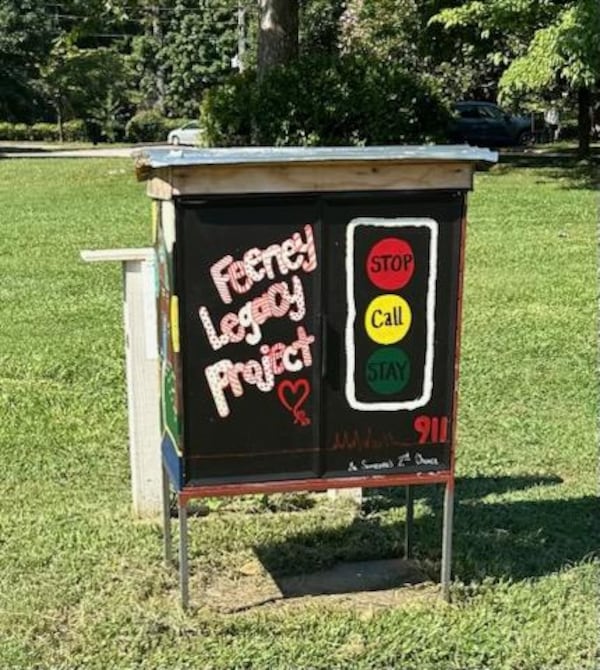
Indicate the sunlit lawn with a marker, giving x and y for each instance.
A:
(81, 582)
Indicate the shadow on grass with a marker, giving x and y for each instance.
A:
(512, 540)
(20, 149)
(581, 175)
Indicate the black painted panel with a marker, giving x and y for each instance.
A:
(318, 417)
(371, 427)
(257, 422)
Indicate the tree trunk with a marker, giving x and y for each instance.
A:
(59, 120)
(157, 34)
(278, 34)
(241, 53)
(584, 125)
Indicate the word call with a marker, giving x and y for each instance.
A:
(284, 298)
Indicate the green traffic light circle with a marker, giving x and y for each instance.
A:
(387, 370)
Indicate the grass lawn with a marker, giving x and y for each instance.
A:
(568, 147)
(82, 584)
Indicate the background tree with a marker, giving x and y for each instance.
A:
(403, 32)
(85, 73)
(565, 54)
(88, 84)
(197, 52)
(486, 36)
(386, 30)
(278, 34)
(320, 26)
(25, 35)
(540, 47)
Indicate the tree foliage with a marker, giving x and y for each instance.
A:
(25, 33)
(489, 35)
(386, 30)
(566, 51)
(407, 32)
(320, 26)
(544, 48)
(324, 100)
(106, 60)
(182, 48)
(197, 52)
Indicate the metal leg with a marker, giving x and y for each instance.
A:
(410, 515)
(166, 509)
(447, 540)
(184, 575)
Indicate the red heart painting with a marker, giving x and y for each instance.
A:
(292, 395)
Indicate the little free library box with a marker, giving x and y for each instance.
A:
(309, 307)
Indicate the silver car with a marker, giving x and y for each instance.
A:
(189, 133)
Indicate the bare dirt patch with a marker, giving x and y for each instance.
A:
(361, 585)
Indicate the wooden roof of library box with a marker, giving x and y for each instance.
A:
(182, 172)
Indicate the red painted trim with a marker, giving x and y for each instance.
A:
(291, 485)
(457, 341)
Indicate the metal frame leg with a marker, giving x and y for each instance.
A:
(410, 515)
(166, 510)
(447, 540)
(184, 574)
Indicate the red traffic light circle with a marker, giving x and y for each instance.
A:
(390, 263)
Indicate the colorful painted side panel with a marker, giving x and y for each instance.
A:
(168, 325)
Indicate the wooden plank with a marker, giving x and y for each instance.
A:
(159, 183)
(141, 359)
(120, 255)
(143, 390)
(314, 177)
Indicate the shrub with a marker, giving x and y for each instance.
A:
(17, 132)
(171, 124)
(43, 132)
(147, 126)
(226, 112)
(5, 130)
(325, 101)
(75, 131)
(150, 126)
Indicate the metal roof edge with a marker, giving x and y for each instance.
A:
(149, 159)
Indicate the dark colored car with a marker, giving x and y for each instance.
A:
(485, 124)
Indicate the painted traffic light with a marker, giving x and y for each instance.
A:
(391, 267)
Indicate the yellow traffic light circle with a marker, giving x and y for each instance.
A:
(387, 319)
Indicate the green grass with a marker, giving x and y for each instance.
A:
(82, 583)
(566, 147)
(35, 145)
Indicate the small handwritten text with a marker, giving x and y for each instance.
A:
(400, 461)
(355, 439)
(421, 460)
